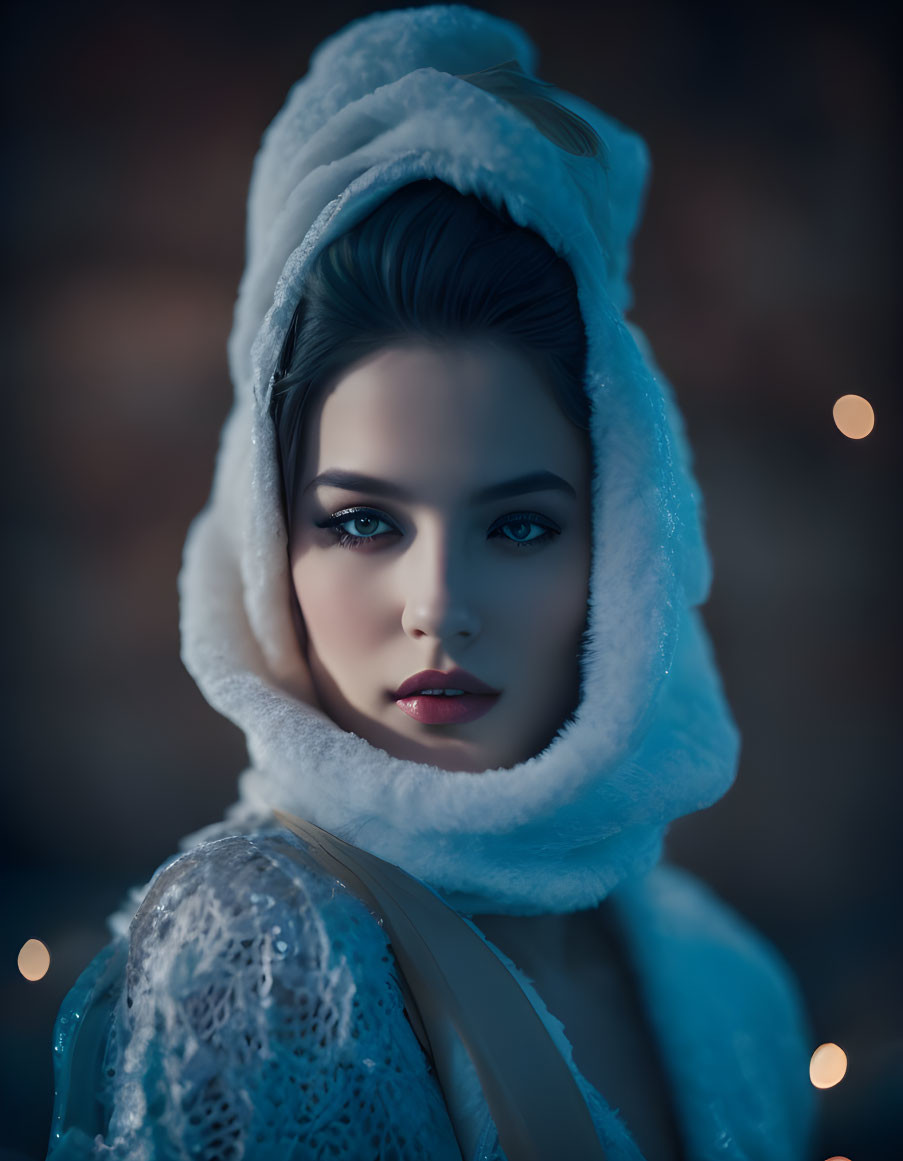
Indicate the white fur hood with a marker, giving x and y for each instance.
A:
(652, 739)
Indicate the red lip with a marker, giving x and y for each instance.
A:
(436, 679)
(477, 697)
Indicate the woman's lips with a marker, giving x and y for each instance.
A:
(446, 710)
(437, 698)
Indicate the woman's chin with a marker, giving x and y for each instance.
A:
(435, 747)
(458, 755)
(469, 748)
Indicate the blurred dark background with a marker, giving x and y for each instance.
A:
(766, 277)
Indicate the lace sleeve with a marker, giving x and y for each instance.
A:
(260, 1017)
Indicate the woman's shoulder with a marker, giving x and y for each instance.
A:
(726, 1009)
(257, 1004)
(264, 927)
(251, 883)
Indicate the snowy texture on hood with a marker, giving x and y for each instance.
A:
(652, 738)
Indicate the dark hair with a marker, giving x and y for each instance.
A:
(432, 263)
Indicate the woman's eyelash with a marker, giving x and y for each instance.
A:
(367, 530)
(525, 521)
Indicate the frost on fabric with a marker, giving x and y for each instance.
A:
(261, 1018)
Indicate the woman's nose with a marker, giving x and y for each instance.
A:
(437, 601)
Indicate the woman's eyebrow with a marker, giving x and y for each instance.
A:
(356, 482)
(519, 485)
(531, 482)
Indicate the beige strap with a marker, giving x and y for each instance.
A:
(464, 994)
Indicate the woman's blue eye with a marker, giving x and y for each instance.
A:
(355, 529)
(365, 526)
(524, 529)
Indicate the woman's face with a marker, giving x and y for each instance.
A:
(441, 541)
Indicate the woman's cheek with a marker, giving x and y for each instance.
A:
(561, 616)
(554, 593)
(341, 609)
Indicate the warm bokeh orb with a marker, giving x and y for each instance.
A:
(854, 416)
(828, 1066)
(34, 960)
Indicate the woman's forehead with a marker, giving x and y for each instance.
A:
(468, 411)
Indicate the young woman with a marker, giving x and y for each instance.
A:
(446, 583)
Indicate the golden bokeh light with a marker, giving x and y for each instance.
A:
(854, 416)
(828, 1066)
(838, 1158)
(34, 960)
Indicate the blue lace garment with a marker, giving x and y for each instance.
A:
(254, 1012)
